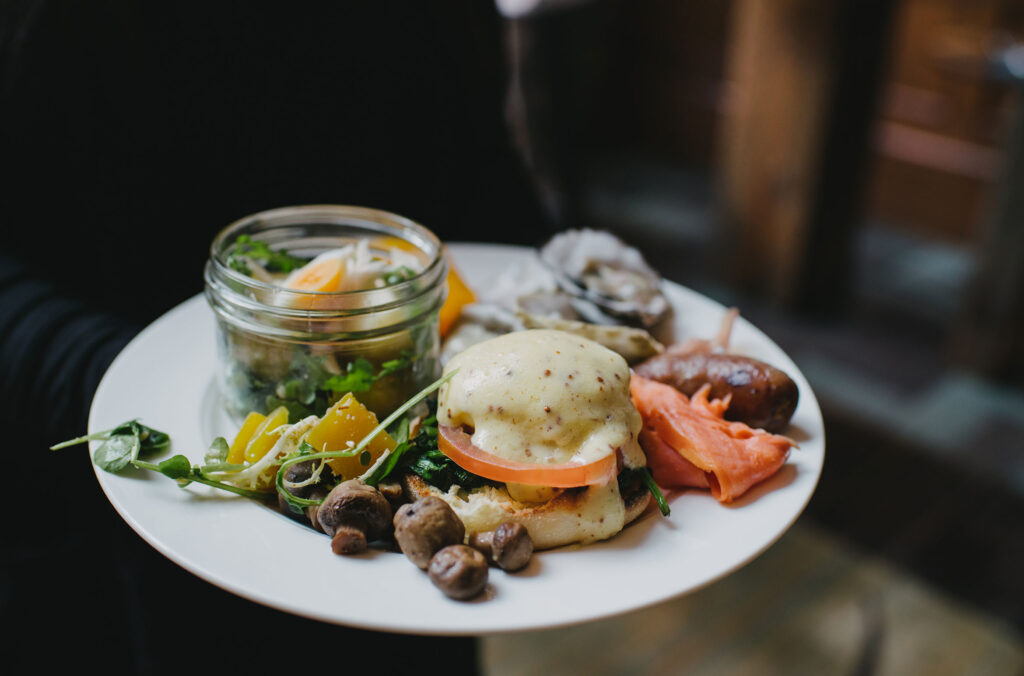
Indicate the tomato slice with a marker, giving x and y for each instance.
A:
(457, 445)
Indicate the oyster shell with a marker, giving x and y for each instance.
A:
(609, 275)
(479, 322)
(632, 343)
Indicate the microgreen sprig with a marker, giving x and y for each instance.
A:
(123, 445)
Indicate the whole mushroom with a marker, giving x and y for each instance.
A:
(316, 490)
(424, 527)
(353, 514)
(509, 545)
(459, 571)
(301, 472)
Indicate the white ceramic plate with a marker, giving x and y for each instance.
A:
(165, 377)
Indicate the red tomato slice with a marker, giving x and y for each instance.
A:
(458, 446)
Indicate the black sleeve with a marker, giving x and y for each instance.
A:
(53, 353)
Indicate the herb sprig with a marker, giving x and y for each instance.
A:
(125, 444)
(272, 260)
(122, 445)
(656, 493)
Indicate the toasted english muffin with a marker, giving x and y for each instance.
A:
(574, 515)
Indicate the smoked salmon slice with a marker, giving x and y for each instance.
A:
(731, 456)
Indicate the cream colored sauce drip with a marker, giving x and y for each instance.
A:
(543, 397)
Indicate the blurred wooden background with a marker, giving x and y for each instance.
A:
(809, 119)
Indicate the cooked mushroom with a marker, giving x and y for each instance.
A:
(459, 571)
(354, 514)
(392, 491)
(307, 515)
(425, 526)
(316, 489)
(301, 473)
(509, 545)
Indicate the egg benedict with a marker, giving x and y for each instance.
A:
(546, 417)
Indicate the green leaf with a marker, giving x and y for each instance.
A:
(274, 260)
(153, 441)
(404, 361)
(400, 433)
(218, 452)
(117, 452)
(177, 467)
(358, 377)
(389, 464)
(399, 274)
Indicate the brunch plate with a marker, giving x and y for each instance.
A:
(165, 378)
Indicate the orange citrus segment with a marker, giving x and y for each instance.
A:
(266, 434)
(236, 451)
(342, 427)
(459, 295)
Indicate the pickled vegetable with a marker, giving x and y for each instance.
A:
(343, 426)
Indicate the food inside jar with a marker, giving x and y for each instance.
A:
(352, 267)
(261, 373)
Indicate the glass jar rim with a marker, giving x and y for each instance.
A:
(342, 215)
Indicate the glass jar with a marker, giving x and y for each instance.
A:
(304, 349)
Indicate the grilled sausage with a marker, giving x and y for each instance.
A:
(762, 395)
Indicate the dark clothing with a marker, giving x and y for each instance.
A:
(130, 133)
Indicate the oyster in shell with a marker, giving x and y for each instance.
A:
(608, 274)
(632, 343)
